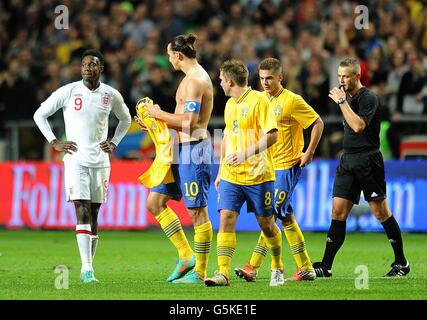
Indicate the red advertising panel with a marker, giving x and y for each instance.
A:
(32, 195)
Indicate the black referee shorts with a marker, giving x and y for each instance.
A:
(360, 172)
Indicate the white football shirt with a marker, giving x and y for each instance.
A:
(86, 115)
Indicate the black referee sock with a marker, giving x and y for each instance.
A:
(336, 236)
(394, 235)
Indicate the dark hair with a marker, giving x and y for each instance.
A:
(94, 53)
(235, 70)
(271, 64)
(185, 44)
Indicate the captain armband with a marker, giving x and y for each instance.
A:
(192, 106)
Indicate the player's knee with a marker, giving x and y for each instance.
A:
(380, 210)
(268, 227)
(153, 207)
(83, 212)
(338, 214)
(228, 221)
(381, 216)
(199, 215)
(288, 220)
(227, 218)
(156, 203)
(269, 231)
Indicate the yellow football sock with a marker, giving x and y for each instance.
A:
(275, 246)
(173, 229)
(226, 244)
(259, 253)
(202, 246)
(296, 242)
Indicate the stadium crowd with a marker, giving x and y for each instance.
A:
(310, 38)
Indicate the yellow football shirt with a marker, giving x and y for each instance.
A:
(246, 121)
(160, 171)
(293, 115)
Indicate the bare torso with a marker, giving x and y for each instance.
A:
(199, 130)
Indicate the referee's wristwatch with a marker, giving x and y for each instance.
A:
(340, 100)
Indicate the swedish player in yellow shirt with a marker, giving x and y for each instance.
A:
(293, 115)
(246, 171)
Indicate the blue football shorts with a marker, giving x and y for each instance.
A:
(284, 186)
(192, 175)
(259, 197)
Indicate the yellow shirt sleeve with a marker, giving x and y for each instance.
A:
(303, 112)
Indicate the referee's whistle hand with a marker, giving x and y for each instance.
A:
(336, 94)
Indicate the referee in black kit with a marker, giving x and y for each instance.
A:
(361, 168)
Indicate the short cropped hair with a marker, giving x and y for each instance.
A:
(185, 45)
(352, 63)
(95, 53)
(271, 64)
(235, 70)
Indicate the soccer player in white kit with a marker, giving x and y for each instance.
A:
(86, 107)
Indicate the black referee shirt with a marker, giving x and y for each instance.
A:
(364, 103)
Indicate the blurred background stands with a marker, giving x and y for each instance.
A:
(310, 37)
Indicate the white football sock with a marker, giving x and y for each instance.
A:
(94, 241)
(83, 234)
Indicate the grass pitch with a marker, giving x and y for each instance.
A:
(135, 265)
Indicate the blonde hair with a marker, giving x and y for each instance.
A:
(235, 70)
(352, 63)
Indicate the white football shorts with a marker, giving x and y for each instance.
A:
(84, 183)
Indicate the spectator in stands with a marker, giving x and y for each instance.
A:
(17, 94)
(394, 78)
(159, 87)
(316, 86)
(409, 94)
(140, 25)
(168, 24)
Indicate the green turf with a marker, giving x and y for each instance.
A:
(134, 265)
